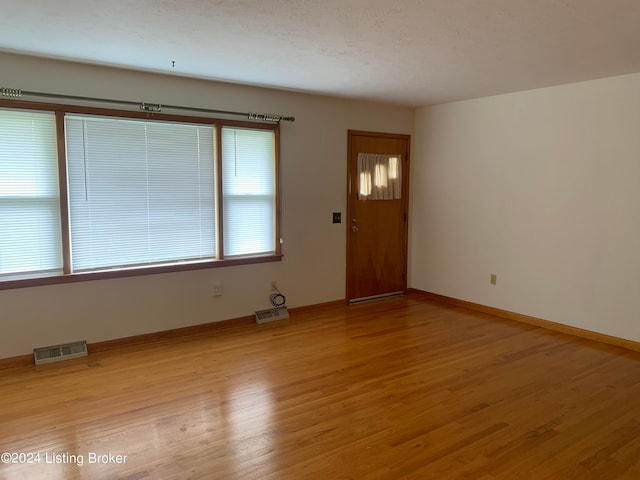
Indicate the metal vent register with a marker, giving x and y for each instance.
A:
(272, 314)
(60, 352)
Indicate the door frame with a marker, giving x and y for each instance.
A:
(351, 198)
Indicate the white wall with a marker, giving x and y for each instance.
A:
(542, 188)
(314, 185)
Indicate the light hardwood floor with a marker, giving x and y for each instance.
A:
(400, 388)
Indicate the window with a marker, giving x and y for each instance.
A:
(248, 191)
(139, 193)
(30, 239)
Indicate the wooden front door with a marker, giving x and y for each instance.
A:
(377, 214)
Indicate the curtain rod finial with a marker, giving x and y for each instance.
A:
(11, 92)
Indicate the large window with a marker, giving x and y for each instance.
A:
(140, 192)
(136, 193)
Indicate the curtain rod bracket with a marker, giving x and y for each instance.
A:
(150, 107)
(270, 117)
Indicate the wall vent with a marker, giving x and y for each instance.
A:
(272, 314)
(60, 352)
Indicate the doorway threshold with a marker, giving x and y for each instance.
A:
(375, 297)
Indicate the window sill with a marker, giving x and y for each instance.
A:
(134, 272)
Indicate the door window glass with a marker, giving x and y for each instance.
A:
(379, 176)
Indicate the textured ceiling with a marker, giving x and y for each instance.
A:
(406, 52)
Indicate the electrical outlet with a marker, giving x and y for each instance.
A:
(217, 289)
(493, 279)
(274, 285)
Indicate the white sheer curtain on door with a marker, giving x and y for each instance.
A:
(379, 176)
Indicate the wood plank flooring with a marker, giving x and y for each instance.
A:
(403, 388)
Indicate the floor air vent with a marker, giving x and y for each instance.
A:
(60, 352)
(272, 314)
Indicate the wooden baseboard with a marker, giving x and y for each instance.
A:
(19, 361)
(169, 334)
(26, 360)
(538, 322)
(311, 308)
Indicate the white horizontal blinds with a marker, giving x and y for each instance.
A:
(248, 189)
(140, 192)
(30, 237)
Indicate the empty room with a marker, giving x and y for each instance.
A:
(319, 240)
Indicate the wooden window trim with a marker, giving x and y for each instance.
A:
(218, 193)
(63, 191)
(135, 271)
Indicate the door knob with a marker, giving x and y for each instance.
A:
(354, 227)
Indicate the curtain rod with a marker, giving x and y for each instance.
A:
(147, 107)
